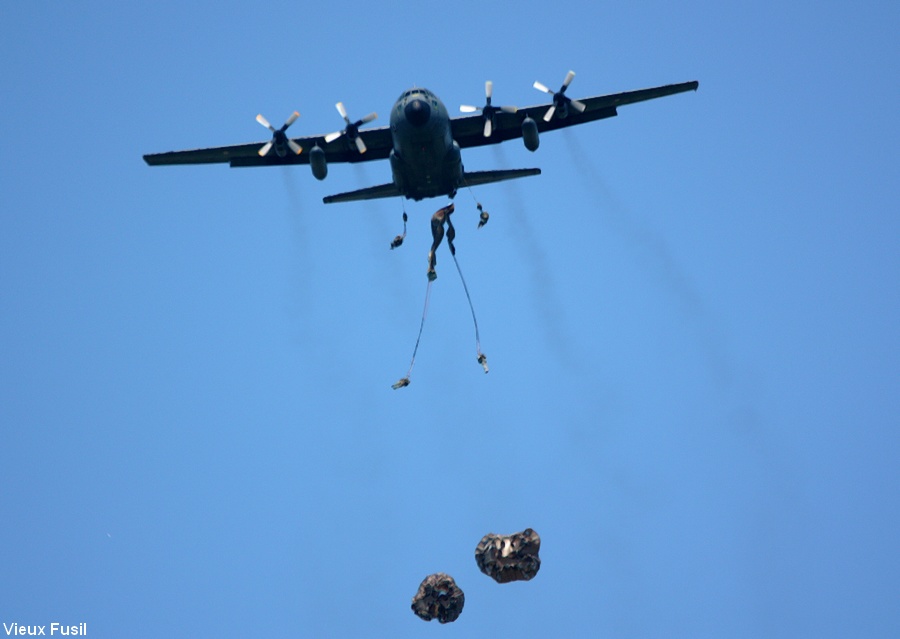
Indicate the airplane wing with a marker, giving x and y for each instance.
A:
(378, 146)
(468, 130)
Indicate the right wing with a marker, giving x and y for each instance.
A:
(468, 130)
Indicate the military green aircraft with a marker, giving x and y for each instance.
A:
(423, 142)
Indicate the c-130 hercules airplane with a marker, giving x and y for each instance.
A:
(423, 142)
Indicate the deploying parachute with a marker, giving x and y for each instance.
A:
(503, 558)
(510, 557)
(438, 598)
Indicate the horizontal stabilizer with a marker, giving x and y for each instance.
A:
(486, 177)
(370, 193)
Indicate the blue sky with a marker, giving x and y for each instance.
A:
(691, 319)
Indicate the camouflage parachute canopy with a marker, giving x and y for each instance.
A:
(510, 557)
(438, 598)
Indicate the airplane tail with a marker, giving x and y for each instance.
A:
(370, 193)
(469, 179)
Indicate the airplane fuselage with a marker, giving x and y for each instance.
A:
(425, 160)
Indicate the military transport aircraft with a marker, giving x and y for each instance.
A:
(422, 142)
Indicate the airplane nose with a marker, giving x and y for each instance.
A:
(417, 112)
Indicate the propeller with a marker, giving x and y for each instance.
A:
(488, 109)
(352, 128)
(279, 137)
(560, 101)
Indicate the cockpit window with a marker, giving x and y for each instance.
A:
(425, 93)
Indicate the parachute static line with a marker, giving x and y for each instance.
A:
(483, 217)
(404, 381)
(481, 357)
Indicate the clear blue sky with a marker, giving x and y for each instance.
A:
(691, 318)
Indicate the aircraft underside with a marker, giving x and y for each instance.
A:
(422, 141)
(427, 175)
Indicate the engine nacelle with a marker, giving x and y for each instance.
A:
(530, 134)
(317, 162)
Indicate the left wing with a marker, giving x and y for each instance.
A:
(468, 130)
(378, 146)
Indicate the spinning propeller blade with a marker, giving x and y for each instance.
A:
(561, 102)
(264, 122)
(352, 128)
(265, 148)
(279, 140)
(293, 117)
(488, 110)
